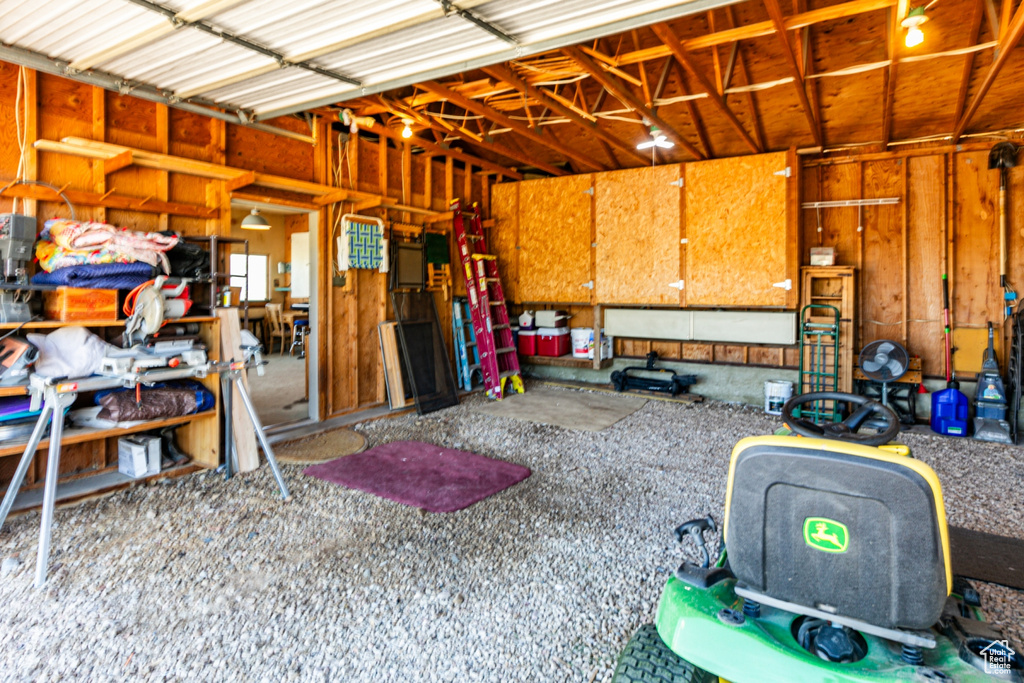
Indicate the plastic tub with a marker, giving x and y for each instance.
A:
(582, 342)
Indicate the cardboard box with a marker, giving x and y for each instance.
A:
(823, 256)
(138, 455)
(68, 304)
(132, 457)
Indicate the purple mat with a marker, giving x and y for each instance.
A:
(422, 475)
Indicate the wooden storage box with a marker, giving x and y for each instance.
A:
(68, 304)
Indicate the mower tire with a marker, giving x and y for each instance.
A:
(646, 659)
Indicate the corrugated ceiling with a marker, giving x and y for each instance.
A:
(265, 58)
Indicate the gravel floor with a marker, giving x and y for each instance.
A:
(200, 579)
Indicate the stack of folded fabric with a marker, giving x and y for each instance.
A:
(99, 256)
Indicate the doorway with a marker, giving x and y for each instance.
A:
(277, 282)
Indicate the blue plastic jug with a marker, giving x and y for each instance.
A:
(950, 412)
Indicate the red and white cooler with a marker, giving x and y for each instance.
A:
(527, 342)
(553, 341)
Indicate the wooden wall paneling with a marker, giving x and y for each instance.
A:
(163, 142)
(65, 108)
(323, 172)
(926, 214)
(976, 242)
(736, 230)
(200, 439)
(554, 239)
(449, 181)
(794, 230)
(99, 132)
(368, 364)
(31, 123)
(503, 238)
(839, 226)
(637, 218)
(881, 306)
(428, 181)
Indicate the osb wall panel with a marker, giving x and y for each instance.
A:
(637, 217)
(881, 312)
(503, 237)
(926, 231)
(736, 231)
(554, 239)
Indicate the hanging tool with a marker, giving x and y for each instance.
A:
(498, 354)
(990, 399)
(1003, 156)
(949, 406)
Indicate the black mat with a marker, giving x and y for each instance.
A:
(987, 557)
(428, 368)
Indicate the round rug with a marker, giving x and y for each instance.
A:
(321, 447)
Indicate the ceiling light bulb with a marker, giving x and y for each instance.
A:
(407, 131)
(915, 36)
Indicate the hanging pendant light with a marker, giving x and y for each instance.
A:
(407, 131)
(254, 221)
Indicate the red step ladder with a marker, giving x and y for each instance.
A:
(498, 359)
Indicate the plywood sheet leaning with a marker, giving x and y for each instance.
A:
(554, 239)
(637, 214)
(737, 231)
(503, 238)
(241, 427)
(392, 365)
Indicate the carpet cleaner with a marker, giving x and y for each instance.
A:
(990, 399)
(949, 406)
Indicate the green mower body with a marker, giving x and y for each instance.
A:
(764, 649)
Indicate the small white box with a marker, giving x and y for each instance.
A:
(132, 457)
(823, 256)
(154, 446)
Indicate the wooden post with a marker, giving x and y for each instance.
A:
(99, 132)
(449, 181)
(428, 181)
(467, 190)
(163, 179)
(31, 206)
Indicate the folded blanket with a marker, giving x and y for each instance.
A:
(51, 257)
(99, 276)
(127, 245)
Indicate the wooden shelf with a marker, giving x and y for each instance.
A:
(564, 361)
(50, 324)
(82, 435)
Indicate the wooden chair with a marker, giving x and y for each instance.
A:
(278, 327)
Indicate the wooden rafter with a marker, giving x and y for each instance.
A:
(965, 75)
(806, 63)
(1009, 40)
(741, 67)
(503, 120)
(895, 31)
(775, 12)
(628, 99)
(480, 140)
(758, 30)
(691, 110)
(668, 37)
(557, 104)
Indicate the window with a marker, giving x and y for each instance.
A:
(259, 274)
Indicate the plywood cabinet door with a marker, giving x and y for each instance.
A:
(555, 219)
(503, 237)
(637, 217)
(742, 232)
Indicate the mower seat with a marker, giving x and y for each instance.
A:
(841, 528)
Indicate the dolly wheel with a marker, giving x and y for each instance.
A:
(646, 659)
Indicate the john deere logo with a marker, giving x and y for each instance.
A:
(826, 535)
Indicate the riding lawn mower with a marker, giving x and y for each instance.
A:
(835, 569)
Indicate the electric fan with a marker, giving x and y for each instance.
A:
(884, 361)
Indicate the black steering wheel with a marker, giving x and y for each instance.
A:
(847, 430)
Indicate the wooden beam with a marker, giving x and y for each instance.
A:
(460, 100)
(691, 110)
(548, 100)
(668, 37)
(123, 160)
(775, 13)
(240, 181)
(623, 94)
(109, 200)
(444, 150)
(473, 139)
(1013, 35)
(895, 30)
(332, 198)
(267, 199)
(965, 74)
(741, 67)
(645, 86)
(758, 30)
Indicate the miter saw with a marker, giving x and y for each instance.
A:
(17, 237)
(144, 344)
